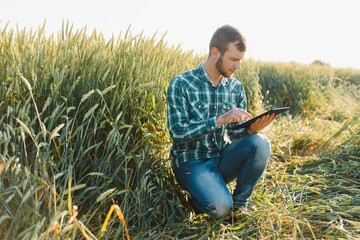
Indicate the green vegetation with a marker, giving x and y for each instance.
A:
(84, 145)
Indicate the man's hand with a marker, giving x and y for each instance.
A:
(261, 123)
(234, 115)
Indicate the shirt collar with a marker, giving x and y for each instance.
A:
(205, 77)
(224, 81)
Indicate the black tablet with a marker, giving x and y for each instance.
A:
(248, 122)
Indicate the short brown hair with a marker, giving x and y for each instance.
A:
(225, 35)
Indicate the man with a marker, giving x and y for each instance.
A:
(202, 103)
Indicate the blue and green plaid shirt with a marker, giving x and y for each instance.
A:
(193, 104)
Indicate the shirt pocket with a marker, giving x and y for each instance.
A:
(226, 107)
(199, 110)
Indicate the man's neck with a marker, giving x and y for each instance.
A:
(213, 73)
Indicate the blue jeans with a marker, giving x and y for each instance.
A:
(245, 160)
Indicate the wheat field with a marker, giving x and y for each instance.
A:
(84, 145)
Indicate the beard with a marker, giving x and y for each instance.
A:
(219, 67)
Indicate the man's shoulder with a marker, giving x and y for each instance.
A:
(185, 77)
(189, 73)
(234, 82)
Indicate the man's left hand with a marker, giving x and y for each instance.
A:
(261, 123)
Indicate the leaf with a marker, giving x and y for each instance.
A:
(26, 129)
(105, 194)
(87, 95)
(91, 111)
(96, 174)
(4, 217)
(26, 82)
(54, 133)
(70, 109)
(69, 202)
(118, 116)
(108, 89)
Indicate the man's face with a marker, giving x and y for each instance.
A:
(229, 62)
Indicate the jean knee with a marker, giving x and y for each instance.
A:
(262, 144)
(221, 208)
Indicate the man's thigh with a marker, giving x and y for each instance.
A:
(205, 184)
(254, 148)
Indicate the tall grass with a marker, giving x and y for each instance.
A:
(312, 91)
(83, 135)
(95, 99)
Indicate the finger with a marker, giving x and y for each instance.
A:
(243, 113)
(269, 119)
(272, 117)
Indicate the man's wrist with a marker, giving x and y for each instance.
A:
(250, 132)
(219, 121)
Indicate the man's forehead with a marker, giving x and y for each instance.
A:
(233, 51)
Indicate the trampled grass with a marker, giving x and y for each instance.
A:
(84, 145)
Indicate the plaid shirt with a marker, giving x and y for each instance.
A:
(193, 104)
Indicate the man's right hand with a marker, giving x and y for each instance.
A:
(232, 116)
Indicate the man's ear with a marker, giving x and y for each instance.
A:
(215, 53)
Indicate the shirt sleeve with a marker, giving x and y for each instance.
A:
(181, 127)
(242, 104)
